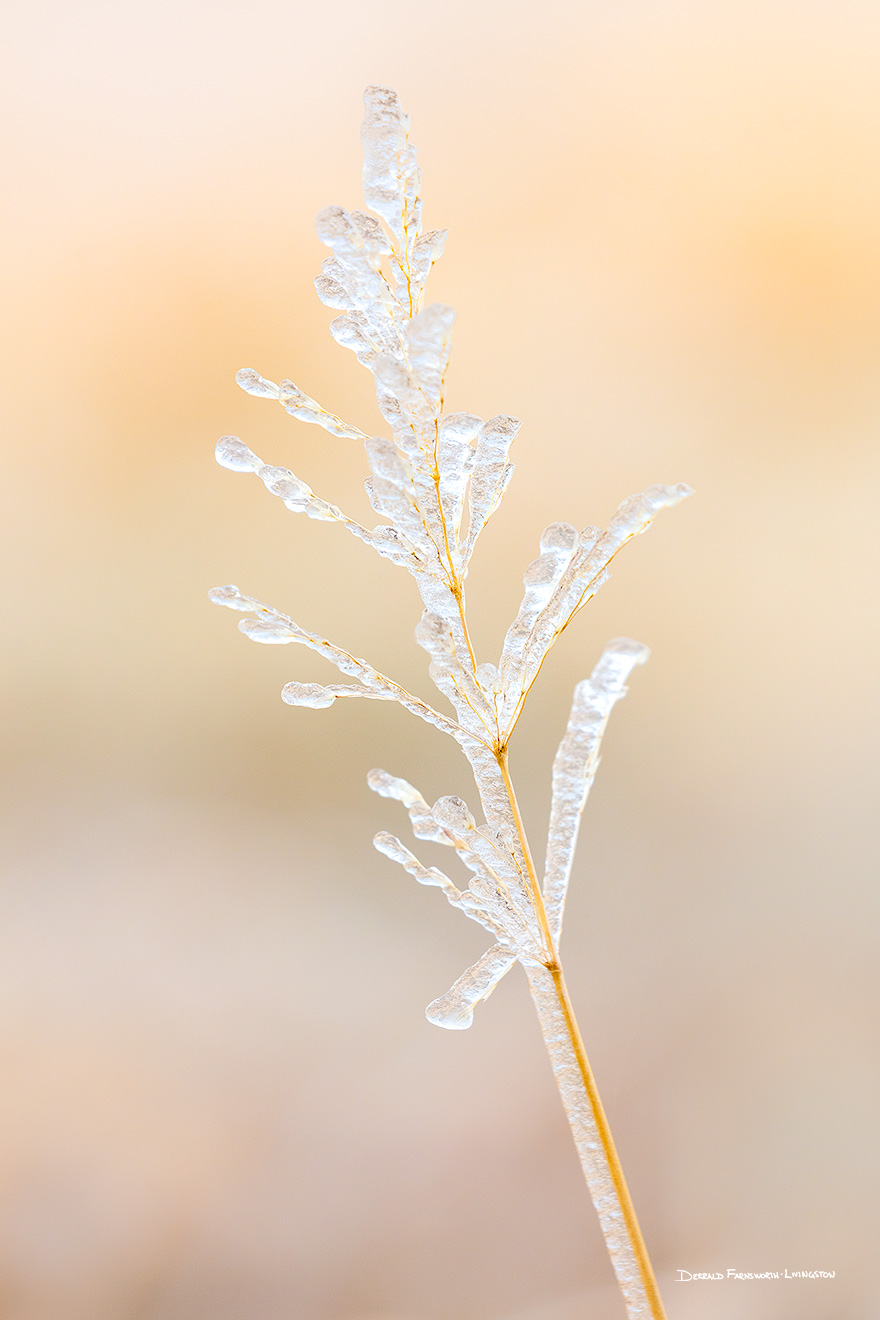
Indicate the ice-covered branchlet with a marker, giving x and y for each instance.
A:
(435, 479)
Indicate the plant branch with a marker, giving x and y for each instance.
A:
(583, 1107)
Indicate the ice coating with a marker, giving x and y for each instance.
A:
(455, 1009)
(319, 696)
(576, 763)
(273, 627)
(455, 456)
(354, 268)
(232, 453)
(232, 598)
(390, 542)
(428, 341)
(268, 630)
(391, 847)
(438, 478)
(590, 1147)
(427, 249)
(295, 402)
(391, 176)
(497, 896)
(453, 813)
(435, 479)
(540, 622)
(490, 476)
(558, 544)
(253, 383)
(479, 901)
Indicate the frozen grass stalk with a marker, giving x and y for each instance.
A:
(436, 482)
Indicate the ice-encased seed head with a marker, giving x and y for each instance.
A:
(232, 453)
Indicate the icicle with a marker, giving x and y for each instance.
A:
(390, 786)
(391, 492)
(429, 336)
(443, 639)
(424, 823)
(489, 904)
(393, 374)
(272, 631)
(298, 496)
(427, 249)
(253, 383)
(393, 545)
(455, 459)
(233, 599)
(295, 402)
(273, 627)
(434, 635)
(232, 453)
(356, 243)
(374, 236)
(352, 279)
(587, 571)
(500, 862)
(390, 846)
(350, 334)
(282, 482)
(557, 546)
(495, 896)
(455, 1009)
(318, 696)
(468, 902)
(490, 476)
(452, 813)
(332, 293)
(493, 793)
(299, 404)
(576, 762)
(391, 177)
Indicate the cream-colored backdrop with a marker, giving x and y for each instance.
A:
(220, 1099)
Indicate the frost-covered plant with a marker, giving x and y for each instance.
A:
(436, 482)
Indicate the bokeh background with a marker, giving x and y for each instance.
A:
(220, 1099)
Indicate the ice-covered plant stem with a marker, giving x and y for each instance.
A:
(435, 481)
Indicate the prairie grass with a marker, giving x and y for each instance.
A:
(435, 481)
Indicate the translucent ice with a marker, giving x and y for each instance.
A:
(434, 481)
(273, 631)
(391, 846)
(535, 631)
(455, 1009)
(391, 177)
(427, 249)
(491, 473)
(318, 696)
(232, 453)
(253, 383)
(296, 402)
(231, 597)
(428, 337)
(576, 762)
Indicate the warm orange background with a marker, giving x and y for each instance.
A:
(220, 1100)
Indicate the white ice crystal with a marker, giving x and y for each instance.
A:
(436, 480)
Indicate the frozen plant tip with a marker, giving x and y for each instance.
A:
(436, 480)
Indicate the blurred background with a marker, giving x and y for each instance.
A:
(220, 1098)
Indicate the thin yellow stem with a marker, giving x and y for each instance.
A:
(531, 873)
(588, 1082)
(458, 593)
(627, 1209)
